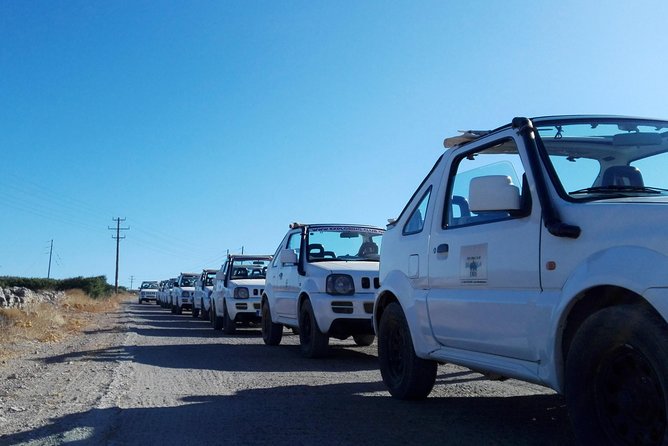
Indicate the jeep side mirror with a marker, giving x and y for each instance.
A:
(493, 193)
(288, 256)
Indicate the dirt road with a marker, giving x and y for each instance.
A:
(145, 376)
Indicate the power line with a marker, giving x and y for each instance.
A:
(118, 243)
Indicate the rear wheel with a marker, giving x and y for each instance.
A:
(616, 378)
(314, 343)
(229, 326)
(195, 312)
(406, 376)
(271, 333)
(363, 340)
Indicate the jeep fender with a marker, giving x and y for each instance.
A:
(319, 304)
(643, 276)
(414, 304)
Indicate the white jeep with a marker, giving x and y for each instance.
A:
(202, 296)
(183, 292)
(148, 291)
(321, 283)
(165, 293)
(539, 251)
(238, 290)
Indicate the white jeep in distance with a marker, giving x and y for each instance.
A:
(148, 291)
(539, 251)
(238, 290)
(183, 292)
(202, 296)
(322, 283)
(165, 294)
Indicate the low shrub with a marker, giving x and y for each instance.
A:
(95, 287)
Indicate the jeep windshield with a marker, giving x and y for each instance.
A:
(327, 243)
(249, 268)
(606, 157)
(149, 286)
(188, 281)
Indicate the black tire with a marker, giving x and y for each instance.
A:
(406, 376)
(364, 340)
(203, 314)
(271, 333)
(195, 312)
(313, 342)
(179, 309)
(140, 301)
(229, 326)
(616, 378)
(217, 321)
(173, 309)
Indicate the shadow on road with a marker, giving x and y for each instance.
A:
(329, 414)
(336, 414)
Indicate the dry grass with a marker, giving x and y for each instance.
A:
(48, 322)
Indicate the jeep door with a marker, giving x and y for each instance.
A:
(286, 279)
(484, 261)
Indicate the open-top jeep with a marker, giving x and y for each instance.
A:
(148, 291)
(322, 283)
(183, 292)
(539, 251)
(238, 290)
(202, 295)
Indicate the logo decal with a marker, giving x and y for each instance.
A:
(473, 265)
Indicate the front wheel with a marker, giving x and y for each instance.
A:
(406, 376)
(363, 340)
(616, 378)
(203, 313)
(313, 342)
(271, 333)
(229, 326)
(195, 312)
(217, 320)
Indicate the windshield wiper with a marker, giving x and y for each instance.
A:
(618, 189)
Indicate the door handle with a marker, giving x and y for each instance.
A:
(280, 275)
(443, 248)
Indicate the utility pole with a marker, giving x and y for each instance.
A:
(48, 274)
(118, 242)
(132, 278)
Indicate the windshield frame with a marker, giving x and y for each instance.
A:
(553, 121)
(338, 228)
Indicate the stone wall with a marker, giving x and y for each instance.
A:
(18, 297)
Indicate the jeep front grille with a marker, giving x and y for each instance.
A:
(366, 283)
(342, 307)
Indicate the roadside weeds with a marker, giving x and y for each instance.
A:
(52, 321)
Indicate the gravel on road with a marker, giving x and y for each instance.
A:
(146, 376)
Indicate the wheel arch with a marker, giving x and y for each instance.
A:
(582, 306)
(385, 297)
(303, 296)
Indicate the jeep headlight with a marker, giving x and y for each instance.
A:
(341, 284)
(184, 294)
(241, 293)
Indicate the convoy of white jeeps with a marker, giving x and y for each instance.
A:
(537, 251)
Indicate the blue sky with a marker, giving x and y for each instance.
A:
(212, 125)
